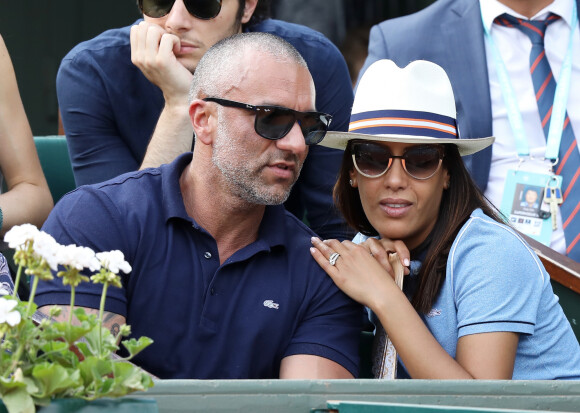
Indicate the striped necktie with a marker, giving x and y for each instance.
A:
(569, 157)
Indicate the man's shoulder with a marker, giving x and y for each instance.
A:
(111, 41)
(281, 228)
(284, 228)
(134, 187)
(133, 178)
(287, 30)
(124, 186)
(296, 227)
(428, 17)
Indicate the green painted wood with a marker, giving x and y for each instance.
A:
(120, 405)
(293, 396)
(366, 407)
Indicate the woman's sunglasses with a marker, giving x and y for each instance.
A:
(274, 122)
(202, 9)
(373, 160)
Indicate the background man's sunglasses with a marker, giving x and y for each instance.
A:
(373, 160)
(202, 9)
(274, 122)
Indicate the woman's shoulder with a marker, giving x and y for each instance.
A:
(486, 243)
(483, 229)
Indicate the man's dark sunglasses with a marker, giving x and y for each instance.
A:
(373, 160)
(202, 9)
(274, 122)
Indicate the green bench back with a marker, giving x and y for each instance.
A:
(55, 162)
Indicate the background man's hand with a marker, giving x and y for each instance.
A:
(153, 52)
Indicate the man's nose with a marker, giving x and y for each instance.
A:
(294, 140)
(178, 18)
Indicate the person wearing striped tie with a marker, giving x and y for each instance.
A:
(513, 66)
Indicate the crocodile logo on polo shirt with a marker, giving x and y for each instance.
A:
(271, 304)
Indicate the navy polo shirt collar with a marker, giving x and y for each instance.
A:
(173, 205)
(272, 232)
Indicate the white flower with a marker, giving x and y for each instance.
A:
(78, 257)
(114, 261)
(17, 236)
(46, 247)
(6, 313)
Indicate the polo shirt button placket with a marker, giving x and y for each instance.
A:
(207, 255)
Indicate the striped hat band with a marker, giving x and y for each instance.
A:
(403, 122)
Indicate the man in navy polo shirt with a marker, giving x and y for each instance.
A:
(222, 279)
(123, 95)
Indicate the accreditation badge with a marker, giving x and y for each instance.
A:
(523, 203)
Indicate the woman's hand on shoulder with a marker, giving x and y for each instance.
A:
(356, 271)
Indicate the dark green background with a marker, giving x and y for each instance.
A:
(39, 33)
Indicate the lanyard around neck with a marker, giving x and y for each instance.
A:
(560, 97)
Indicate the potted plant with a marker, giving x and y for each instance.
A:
(42, 360)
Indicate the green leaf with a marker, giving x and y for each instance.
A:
(54, 379)
(72, 333)
(57, 351)
(129, 378)
(109, 343)
(84, 349)
(18, 400)
(81, 315)
(94, 370)
(9, 384)
(54, 346)
(134, 347)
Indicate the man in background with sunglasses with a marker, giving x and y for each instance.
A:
(222, 277)
(123, 95)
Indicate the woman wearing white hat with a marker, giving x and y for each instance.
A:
(479, 304)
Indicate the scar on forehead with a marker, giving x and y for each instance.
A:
(283, 83)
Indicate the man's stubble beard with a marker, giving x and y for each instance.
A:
(243, 178)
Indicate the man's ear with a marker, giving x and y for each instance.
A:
(249, 8)
(203, 119)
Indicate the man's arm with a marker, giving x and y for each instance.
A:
(153, 52)
(306, 366)
(111, 321)
(97, 149)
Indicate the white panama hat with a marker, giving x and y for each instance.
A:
(414, 104)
